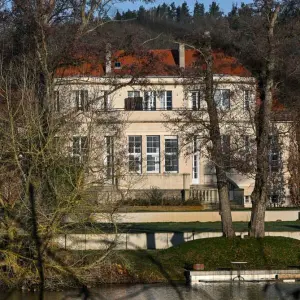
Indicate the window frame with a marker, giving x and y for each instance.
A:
(109, 156)
(135, 154)
(175, 154)
(195, 103)
(82, 148)
(195, 161)
(247, 99)
(135, 94)
(155, 155)
(81, 100)
(220, 103)
(149, 101)
(165, 99)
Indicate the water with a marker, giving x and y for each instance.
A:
(205, 291)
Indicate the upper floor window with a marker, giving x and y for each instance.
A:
(134, 94)
(171, 154)
(80, 148)
(135, 153)
(81, 100)
(134, 101)
(149, 101)
(222, 98)
(165, 100)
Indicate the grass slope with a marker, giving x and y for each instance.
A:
(215, 253)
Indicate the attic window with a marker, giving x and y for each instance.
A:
(117, 65)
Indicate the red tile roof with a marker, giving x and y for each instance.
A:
(153, 63)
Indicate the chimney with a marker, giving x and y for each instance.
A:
(108, 59)
(181, 51)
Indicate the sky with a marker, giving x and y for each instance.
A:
(225, 5)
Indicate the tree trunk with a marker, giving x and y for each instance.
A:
(217, 152)
(263, 126)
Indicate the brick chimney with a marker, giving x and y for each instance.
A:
(108, 59)
(181, 51)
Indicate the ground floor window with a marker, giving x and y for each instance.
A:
(80, 148)
(135, 153)
(109, 159)
(153, 151)
(171, 154)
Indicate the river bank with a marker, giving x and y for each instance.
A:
(92, 268)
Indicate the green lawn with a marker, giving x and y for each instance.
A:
(215, 253)
(175, 227)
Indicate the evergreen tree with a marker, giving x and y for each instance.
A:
(141, 14)
(184, 12)
(164, 11)
(129, 14)
(214, 10)
(199, 10)
(118, 16)
(178, 14)
(233, 17)
(172, 12)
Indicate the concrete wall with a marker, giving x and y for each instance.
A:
(200, 216)
(135, 241)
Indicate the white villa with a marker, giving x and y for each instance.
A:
(143, 95)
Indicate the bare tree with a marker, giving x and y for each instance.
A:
(263, 127)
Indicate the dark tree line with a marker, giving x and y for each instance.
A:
(181, 13)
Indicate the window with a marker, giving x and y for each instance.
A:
(274, 161)
(153, 152)
(81, 100)
(134, 101)
(133, 94)
(195, 100)
(171, 154)
(109, 159)
(56, 101)
(246, 143)
(165, 100)
(195, 160)
(135, 153)
(247, 99)
(274, 198)
(80, 148)
(149, 101)
(222, 98)
(117, 65)
(247, 199)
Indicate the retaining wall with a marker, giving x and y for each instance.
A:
(134, 241)
(200, 216)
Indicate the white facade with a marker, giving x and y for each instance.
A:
(150, 142)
